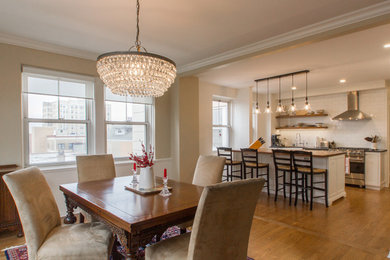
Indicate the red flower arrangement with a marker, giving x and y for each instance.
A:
(144, 160)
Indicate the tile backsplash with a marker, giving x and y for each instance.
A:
(344, 133)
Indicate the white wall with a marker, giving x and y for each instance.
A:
(242, 118)
(58, 176)
(206, 93)
(373, 102)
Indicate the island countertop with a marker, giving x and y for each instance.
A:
(316, 153)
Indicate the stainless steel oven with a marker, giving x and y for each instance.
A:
(355, 168)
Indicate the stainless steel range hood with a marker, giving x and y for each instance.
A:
(353, 113)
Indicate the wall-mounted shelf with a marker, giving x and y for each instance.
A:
(296, 116)
(301, 127)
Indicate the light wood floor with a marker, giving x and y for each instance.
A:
(357, 227)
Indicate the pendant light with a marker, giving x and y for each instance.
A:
(279, 109)
(307, 105)
(136, 73)
(267, 109)
(257, 110)
(292, 106)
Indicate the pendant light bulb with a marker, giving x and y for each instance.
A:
(257, 110)
(268, 110)
(279, 109)
(293, 107)
(307, 106)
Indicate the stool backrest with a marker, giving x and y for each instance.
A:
(249, 156)
(225, 152)
(282, 158)
(303, 159)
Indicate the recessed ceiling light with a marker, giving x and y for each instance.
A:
(293, 87)
(342, 81)
(387, 45)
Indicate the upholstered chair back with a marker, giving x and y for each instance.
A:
(35, 202)
(208, 170)
(95, 167)
(223, 220)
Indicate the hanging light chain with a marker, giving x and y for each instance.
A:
(137, 41)
(267, 92)
(292, 90)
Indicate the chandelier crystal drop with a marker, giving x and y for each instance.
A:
(136, 73)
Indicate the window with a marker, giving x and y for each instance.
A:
(128, 124)
(221, 124)
(57, 109)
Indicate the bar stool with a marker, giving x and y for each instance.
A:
(283, 163)
(250, 159)
(303, 164)
(227, 152)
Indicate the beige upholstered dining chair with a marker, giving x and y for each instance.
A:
(94, 168)
(45, 237)
(208, 171)
(221, 227)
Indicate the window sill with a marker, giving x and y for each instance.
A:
(67, 167)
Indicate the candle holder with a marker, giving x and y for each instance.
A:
(135, 181)
(165, 191)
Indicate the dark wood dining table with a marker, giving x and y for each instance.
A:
(135, 219)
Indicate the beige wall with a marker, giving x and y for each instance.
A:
(11, 60)
(189, 126)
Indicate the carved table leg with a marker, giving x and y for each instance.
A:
(70, 217)
(133, 246)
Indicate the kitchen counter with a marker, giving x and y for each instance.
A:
(333, 161)
(327, 149)
(316, 153)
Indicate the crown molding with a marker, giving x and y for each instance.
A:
(43, 46)
(354, 17)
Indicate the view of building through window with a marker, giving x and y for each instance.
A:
(56, 117)
(221, 124)
(127, 124)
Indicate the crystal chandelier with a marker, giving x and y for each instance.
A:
(136, 73)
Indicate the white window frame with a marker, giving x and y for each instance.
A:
(28, 71)
(228, 125)
(149, 124)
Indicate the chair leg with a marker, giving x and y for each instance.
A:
(291, 185)
(303, 188)
(276, 184)
(326, 189)
(311, 192)
(306, 188)
(268, 180)
(296, 189)
(241, 173)
(252, 173)
(284, 184)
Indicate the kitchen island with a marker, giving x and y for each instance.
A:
(333, 161)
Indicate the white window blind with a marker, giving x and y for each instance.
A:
(58, 112)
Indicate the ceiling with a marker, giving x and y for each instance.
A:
(357, 57)
(185, 31)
